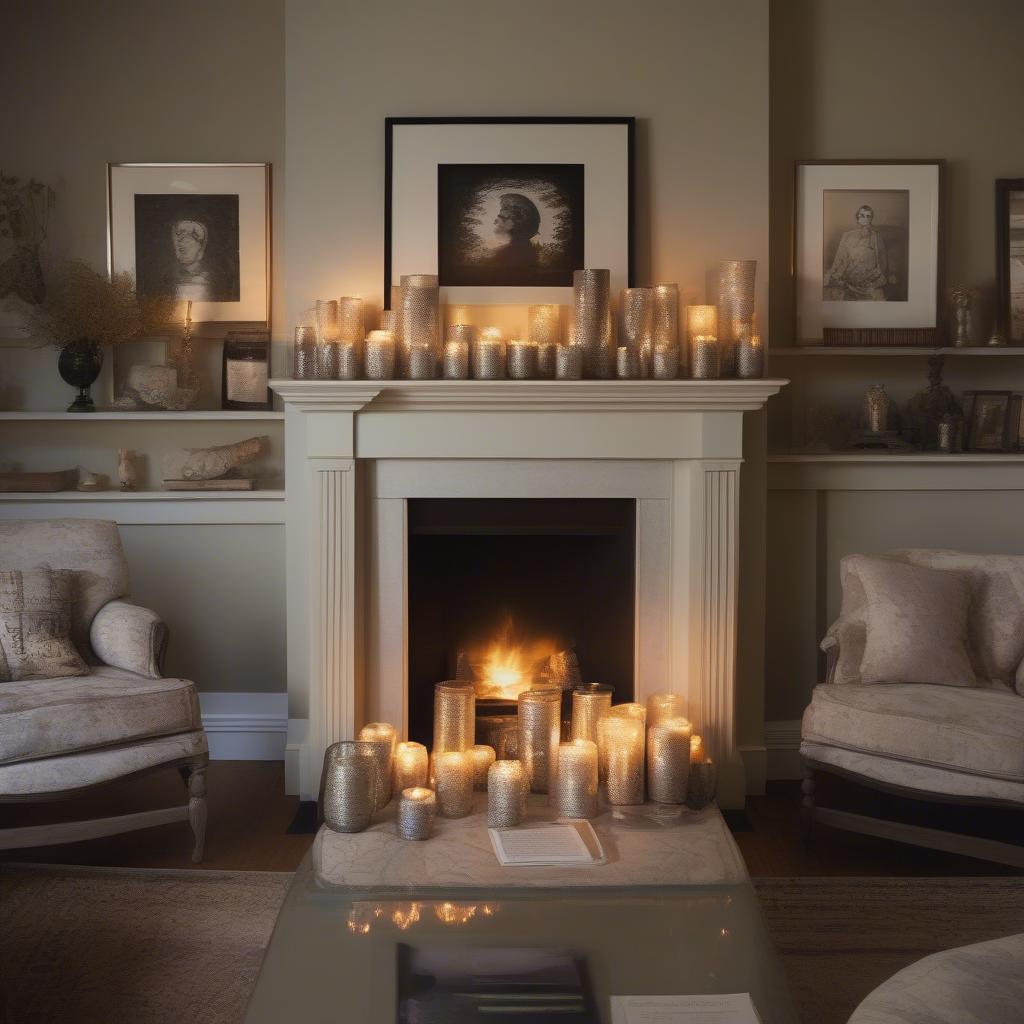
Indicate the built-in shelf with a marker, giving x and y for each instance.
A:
(895, 350)
(119, 414)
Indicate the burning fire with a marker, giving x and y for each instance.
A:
(507, 665)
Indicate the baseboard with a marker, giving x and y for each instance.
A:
(245, 726)
(295, 756)
(782, 746)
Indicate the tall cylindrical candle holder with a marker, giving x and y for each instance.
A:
(507, 787)
(545, 324)
(410, 771)
(454, 783)
(489, 355)
(350, 320)
(621, 745)
(749, 353)
(483, 757)
(735, 308)
(665, 316)
(389, 319)
(703, 784)
(416, 809)
(627, 363)
(383, 735)
(422, 362)
(349, 786)
(665, 705)
(636, 311)
(540, 730)
(592, 325)
(576, 791)
(702, 339)
(305, 365)
(454, 716)
(521, 360)
(348, 361)
(380, 355)
(569, 362)
(421, 317)
(668, 760)
(589, 702)
(666, 363)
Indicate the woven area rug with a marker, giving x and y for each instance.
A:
(114, 945)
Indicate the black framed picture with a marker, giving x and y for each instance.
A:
(1010, 257)
(990, 426)
(503, 210)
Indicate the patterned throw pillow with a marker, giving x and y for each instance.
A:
(35, 624)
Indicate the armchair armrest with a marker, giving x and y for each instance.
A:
(830, 646)
(125, 635)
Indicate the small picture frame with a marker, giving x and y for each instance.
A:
(1010, 258)
(990, 421)
(245, 372)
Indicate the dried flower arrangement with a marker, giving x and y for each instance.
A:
(82, 305)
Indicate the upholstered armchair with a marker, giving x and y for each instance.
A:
(924, 692)
(83, 699)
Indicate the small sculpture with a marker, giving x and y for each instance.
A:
(928, 408)
(127, 469)
(876, 409)
(152, 386)
(963, 316)
(88, 481)
(218, 463)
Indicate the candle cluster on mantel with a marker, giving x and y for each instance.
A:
(624, 752)
(419, 338)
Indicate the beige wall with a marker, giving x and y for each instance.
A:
(885, 79)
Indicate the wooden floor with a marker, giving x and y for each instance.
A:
(249, 815)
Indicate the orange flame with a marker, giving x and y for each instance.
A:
(506, 666)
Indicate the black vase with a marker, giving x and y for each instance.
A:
(79, 364)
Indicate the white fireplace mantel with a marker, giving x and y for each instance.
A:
(357, 451)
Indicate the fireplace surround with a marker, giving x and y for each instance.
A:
(357, 452)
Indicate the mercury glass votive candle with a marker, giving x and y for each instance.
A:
(454, 783)
(521, 359)
(380, 355)
(576, 789)
(457, 345)
(703, 784)
(410, 770)
(592, 323)
(547, 360)
(665, 316)
(349, 786)
(350, 320)
(489, 355)
(666, 363)
(749, 353)
(668, 760)
(483, 757)
(621, 745)
(507, 787)
(348, 361)
(383, 735)
(422, 362)
(702, 340)
(540, 730)
(569, 362)
(416, 809)
(454, 716)
(304, 361)
(545, 326)
(665, 705)
(589, 702)
(627, 363)
(636, 311)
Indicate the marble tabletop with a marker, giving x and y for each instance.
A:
(645, 846)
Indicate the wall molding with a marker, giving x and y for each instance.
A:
(245, 726)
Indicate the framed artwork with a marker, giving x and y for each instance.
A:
(1010, 257)
(504, 209)
(989, 421)
(867, 238)
(246, 371)
(198, 232)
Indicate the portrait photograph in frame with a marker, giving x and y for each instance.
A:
(866, 251)
(1010, 258)
(194, 232)
(503, 210)
(989, 416)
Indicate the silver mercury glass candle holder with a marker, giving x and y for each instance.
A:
(668, 760)
(499, 732)
(569, 362)
(382, 735)
(621, 742)
(735, 307)
(665, 318)
(627, 363)
(576, 787)
(749, 353)
(545, 324)
(507, 788)
(422, 362)
(349, 786)
(417, 807)
(665, 705)
(547, 355)
(666, 363)
(410, 767)
(488, 355)
(454, 716)
(702, 786)
(483, 757)
(592, 323)
(421, 317)
(457, 345)
(380, 355)
(636, 310)
(348, 361)
(540, 730)
(453, 783)
(589, 702)
(521, 360)
(304, 361)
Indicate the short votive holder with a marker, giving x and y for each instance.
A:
(666, 363)
(521, 360)
(506, 794)
(540, 730)
(453, 783)
(455, 358)
(702, 340)
(749, 354)
(382, 735)
(576, 789)
(304, 361)
(411, 763)
(483, 757)
(380, 355)
(569, 362)
(702, 786)
(547, 357)
(416, 809)
(488, 355)
(422, 362)
(349, 786)
(627, 363)
(668, 760)
(589, 702)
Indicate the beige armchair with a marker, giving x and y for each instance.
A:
(66, 735)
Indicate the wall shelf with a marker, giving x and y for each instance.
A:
(895, 350)
(104, 415)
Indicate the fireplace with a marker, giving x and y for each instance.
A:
(366, 461)
(506, 585)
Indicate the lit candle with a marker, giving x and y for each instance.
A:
(569, 362)
(380, 354)
(666, 363)
(416, 808)
(454, 782)
(696, 750)
(483, 757)
(545, 324)
(454, 715)
(629, 710)
(627, 363)
(750, 355)
(668, 760)
(350, 319)
(458, 339)
(665, 327)
(702, 335)
(422, 363)
(577, 779)
(521, 359)
(665, 705)
(489, 355)
(621, 740)
(382, 735)
(539, 733)
(589, 702)
(507, 787)
(410, 766)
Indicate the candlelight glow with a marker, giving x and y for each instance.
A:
(507, 666)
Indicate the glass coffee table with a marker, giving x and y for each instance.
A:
(334, 954)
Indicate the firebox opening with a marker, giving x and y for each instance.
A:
(507, 583)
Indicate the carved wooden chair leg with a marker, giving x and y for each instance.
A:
(197, 811)
(807, 803)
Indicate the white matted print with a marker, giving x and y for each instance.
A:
(1010, 257)
(195, 232)
(867, 246)
(504, 210)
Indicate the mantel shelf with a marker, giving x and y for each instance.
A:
(895, 350)
(194, 415)
(876, 457)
